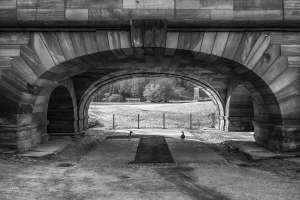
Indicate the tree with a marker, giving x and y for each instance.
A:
(161, 90)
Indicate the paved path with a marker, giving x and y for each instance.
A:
(199, 172)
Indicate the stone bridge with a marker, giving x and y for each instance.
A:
(55, 53)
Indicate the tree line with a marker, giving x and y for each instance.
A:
(147, 89)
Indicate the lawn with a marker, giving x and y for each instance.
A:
(177, 115)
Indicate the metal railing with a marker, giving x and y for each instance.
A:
(162, 120)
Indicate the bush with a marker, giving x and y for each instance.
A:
(94, 122)
(115, 98)
(161, 91)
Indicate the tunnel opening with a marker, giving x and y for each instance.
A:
(241, 110)
(60, 114)
(153, 102)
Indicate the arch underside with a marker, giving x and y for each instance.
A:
(121, 75)
(213, 72)
(215, 60)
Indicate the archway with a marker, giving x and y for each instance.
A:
(60, 114)
(85, 70)
(106, 80)
(208, 116)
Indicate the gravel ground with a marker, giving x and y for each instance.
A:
(95, 168)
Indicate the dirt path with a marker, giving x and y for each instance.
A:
(200, 172)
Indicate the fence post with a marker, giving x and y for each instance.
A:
(113, 121)
(138, 121)
(191, 121)
(164, 120)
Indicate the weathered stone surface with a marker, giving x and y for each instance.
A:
(220, 42)
(267, 61)
(26, 14)
(208, 42)
(232, 12)
(148, 4)
(27, 4)
(257, 4)
(8, 4)
(290, 50)
(51, 4)
(77, 14)
(294, 61)
(291, 9)
(44, 14)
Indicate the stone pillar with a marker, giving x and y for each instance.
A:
(20, 137)
(277, 137)
(196, 93)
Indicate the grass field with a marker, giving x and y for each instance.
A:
(177, 115)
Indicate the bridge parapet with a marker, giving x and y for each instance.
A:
(215, 13)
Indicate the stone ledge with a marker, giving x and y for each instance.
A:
(256, 152)
(47, 149)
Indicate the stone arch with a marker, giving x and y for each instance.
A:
(179, 61)
(60, 113)
(59, 97)
(255, 57)
(111, 78)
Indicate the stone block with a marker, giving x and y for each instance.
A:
(193, 15)
(292, 14)
(90, 42)
(208, 42)
(290, 50)
(220, 42)
(222, 15)
(8, 4)
(152, 14)
(28, 4)
(148, 4)
(26, 14)
(102, 40)
(8, 15)
(257, 4)
(77, 4)
(172, 40)
(104, 3)
(77, 14)
(285, 38)
(51, 4)
(188, 4)
(66, 45)
(232, 45)
(5, 62)
(50, 15)
(294, 61)
(291, 10)
(257, 15)
(42, 51)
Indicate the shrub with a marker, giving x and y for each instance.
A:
(160, 91)
(115, 98)
(94, 122)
